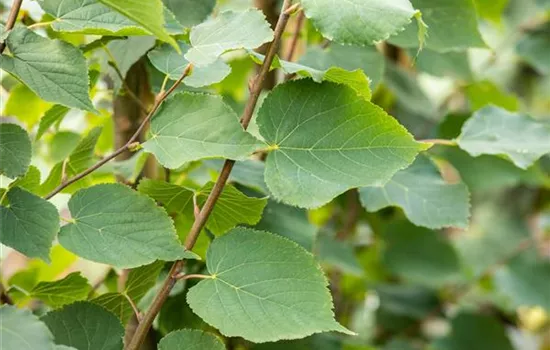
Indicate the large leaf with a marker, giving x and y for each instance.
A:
(359, 22)
(29, 224)
(115, 225)
(190, 339)
(149, 14)
(228, 31)
(493, 130)
(452, 25)
(72, 288)
(15, 150)
(22, 330)
(424, 196)
(182, 131)
(55, 70)
(85, 326)
(325, 139)
(170, 62)
(253, 273)
(190, 12)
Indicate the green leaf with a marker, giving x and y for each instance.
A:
(25, 105)
(117, 226)
(483, 93)
(182, 131)
(85, 326)
(22, 330)
(190, 12)
(117, 304)
(526, 280)
(72, 288)
(325, 139)
(476, 332)
(289, 222)
(55, 70)
(51, 117)
(29, 224)
(420, 255)
(337, 253)
(534, 48)
(424, 196)
(452, 26)
(356, 79)
(83, 155)
(491, 10)
(253, 275)
(348, 57)
(141, 279)
(170, 62)
(149, 14)
(190, 339)
(228, 31)
(359, 22)
(493, 130)
(454, 64)
(15, 150)
(29, 182)
(175, 198)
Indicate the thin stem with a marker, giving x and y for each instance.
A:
(131, 142)
(294, 43)
(440, 142)
(14, 12)
(200, 221)
(134, 307)
(39, 25)
(183, 276)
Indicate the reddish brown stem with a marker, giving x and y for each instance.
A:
(14, 12)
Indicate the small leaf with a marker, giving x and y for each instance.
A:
(29, 224)
(190, 12)
(337, 253)
(253, 274)
(493, 130)
(170, 62)
(483, 93)
(228, 31)
(424, 196)
(55, 70)
(452, 26)
(359, 22)
(141, 279)
(21, 330)
(175, 198)
(325, 139)
(117, 304)
(85, 326)
(149, 14)
(51, 117)
(182, 131)
(116, 225)
(15, 150)
(29, 182)
(534, 48)
(190, 339)
(72, 288)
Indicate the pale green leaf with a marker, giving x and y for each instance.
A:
(325, 139)
(52, 116)
(491, 10)
(72, 288)
(483, 93)
(190, 12)
(29, 224)
(493, 130)
(190, 339)
(182, 131)
(117, 304)
(249, 173)
(227, 31)
(170, 62)
(454, 64)
(25, 105)
(149, 14)
(85, 326)
(359, 22)
(55, 70)
(117, 226)
(289, 222)
(141, 279)
(420, 255)
(263, 288)
(348, 57)
(21, 330)
(15, 150)
(526, 280)
(534, 48)
(337, 253)
(452, 26)
(424, 196)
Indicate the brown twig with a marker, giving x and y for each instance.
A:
(131, 144)
(201, 219)
(14, 12)
(294, 43)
